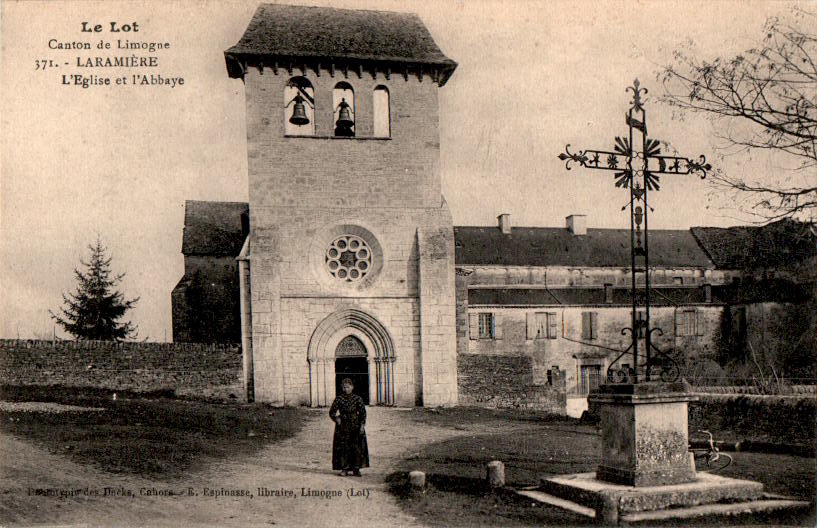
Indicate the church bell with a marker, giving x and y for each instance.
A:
(344, 121)
(299, 112)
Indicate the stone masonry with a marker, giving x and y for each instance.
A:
(188, 370)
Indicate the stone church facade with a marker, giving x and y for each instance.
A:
(350, 239)
(346, 263)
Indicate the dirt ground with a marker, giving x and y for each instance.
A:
(37, 487)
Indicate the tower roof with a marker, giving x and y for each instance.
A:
(359, 37)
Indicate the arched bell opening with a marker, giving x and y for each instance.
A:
(343, 102)
(331, 350)
(299, 107)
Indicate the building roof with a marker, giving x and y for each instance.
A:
(661, 296)
(213, 228)
(549, 246)
(282, 31)
(777, 244)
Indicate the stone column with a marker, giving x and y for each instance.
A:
(644, 434)
(246, 326)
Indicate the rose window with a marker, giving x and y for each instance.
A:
(348, 258)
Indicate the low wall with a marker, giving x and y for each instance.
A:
(502, 382)
(786, 390)
(190, 370)
(776, 419)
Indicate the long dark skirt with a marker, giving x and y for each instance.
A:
(349, 449)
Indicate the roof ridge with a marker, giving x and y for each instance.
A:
(681, 230)
(216, 202)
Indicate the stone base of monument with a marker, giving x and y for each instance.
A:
(647, 471)
(611, 503)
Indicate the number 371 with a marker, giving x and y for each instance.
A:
(41, 64)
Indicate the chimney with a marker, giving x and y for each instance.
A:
(504, 221)
(577, 224)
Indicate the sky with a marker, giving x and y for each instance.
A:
(118, 162)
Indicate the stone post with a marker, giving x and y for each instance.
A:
(417, 480)
(496, 474)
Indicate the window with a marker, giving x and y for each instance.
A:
(590, 378)
(553, 372)
(678, 281)
(348, 258)
(690, 323)
(343, 101)
(486, 326)
(542, 325)
(590, 325)
(299, 108)
(382, 117)
(685, 323)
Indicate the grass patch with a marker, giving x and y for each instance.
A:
(532, 445)
(457, 417)
(149, 437)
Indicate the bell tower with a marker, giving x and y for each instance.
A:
(349, 233)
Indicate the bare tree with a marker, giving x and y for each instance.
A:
(764, 98)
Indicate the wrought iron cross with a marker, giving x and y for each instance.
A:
(637, 162)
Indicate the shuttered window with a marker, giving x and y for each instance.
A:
(553, 329)
(701, 323)
(590, 325)
(483, 325)
(536, 325)
(542, 325)
(685, 323)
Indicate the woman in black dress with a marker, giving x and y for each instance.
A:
(350, 451)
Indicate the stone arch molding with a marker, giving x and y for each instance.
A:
(321, 355)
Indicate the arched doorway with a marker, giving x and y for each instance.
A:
(378, 353)
(351, 362)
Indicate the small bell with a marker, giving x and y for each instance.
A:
(299, 112)
(344, 123)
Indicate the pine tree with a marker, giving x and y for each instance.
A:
(94, 311)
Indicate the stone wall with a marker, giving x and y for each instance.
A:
(507, 382)
(568, 350)
(190, 370)
(776, 419)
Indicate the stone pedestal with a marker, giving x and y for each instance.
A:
(646, 471)
(644, 434)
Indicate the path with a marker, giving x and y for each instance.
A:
(296, 465)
